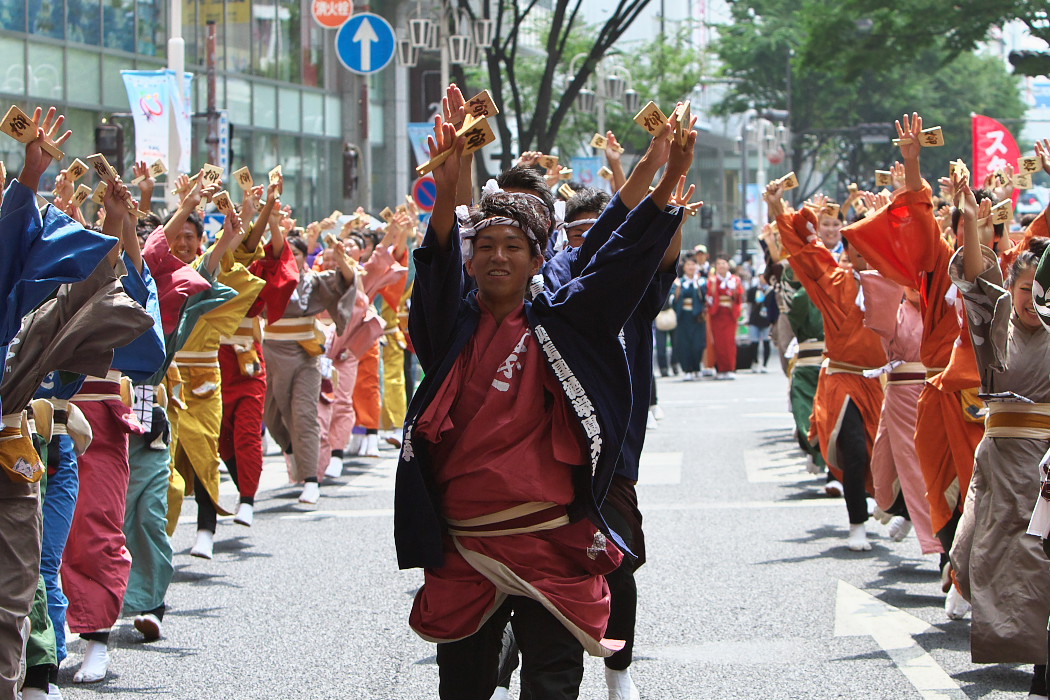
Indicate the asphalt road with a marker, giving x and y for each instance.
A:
(749, 590)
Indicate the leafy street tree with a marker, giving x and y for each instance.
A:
(841, 123)
(530, 83)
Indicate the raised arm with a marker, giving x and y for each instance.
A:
(37, 159)
(911, 130)
(973, 258)
(454, 108)
(273, 191)
(190, 194)
(446, 176)
(615, 159)
(146, 185)
(232, 236)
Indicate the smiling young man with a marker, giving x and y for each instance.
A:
(542, 386)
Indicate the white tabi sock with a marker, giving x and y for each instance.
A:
(858, 538)
(621, 685)
(95, 664)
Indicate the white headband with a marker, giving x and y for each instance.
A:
(468, 231)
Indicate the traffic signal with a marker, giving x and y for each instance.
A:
(1032, 63)
(109, 141)
(707, 217)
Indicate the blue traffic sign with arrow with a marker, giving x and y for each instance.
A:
(366, 43)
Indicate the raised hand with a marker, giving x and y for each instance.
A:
(911, 130)
(681, 195)
(1042, 152)
(454, 105)
(446, 175)
(897, 175)
(37, 160)
(818, 202)
(529, 158)
(679, 158)
(63, 186)
(1004, 190)
(251, 202)
(612, 148)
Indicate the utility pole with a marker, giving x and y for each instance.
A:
(213, 112)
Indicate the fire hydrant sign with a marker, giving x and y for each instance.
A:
(332, 14)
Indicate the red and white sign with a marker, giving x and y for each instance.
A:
(994, 147)
(332, 14)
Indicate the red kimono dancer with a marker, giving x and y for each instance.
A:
(96, 562)
(725, 298)
(244, 379)
(848, 405)
(502, 373)
(904, 242)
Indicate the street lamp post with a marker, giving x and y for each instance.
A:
(458, 39)
(613, 84)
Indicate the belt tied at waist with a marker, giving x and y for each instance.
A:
(908, 373)
(836, 367)
(245, 336)
(99, 389)
(932, 372)
(521, 519)
(293, 329)
(188, 358)
(1007, 419)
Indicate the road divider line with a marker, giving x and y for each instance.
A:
(860, 614)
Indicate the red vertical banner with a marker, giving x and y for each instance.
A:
(994, 147)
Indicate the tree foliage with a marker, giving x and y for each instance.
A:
(831, 115)
(529, 88)
(849, 33)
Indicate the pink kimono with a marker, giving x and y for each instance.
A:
(895, 465)
(337, 416)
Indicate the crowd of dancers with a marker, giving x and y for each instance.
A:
(141, 356)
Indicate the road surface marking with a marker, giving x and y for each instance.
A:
(657, 468)
(775, 464)
(859, 614)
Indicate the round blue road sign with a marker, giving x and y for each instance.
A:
(424, 191)
(365, 44)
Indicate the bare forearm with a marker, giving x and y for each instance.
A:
(912, 174)
(674, 249)
(465, 188)
(973, 260)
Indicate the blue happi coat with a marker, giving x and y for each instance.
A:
(577, 327)
(637, 332)
(40, 252)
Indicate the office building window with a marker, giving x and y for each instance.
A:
(290, 56)
(46, 72)
(84, 21)
(152, 24)
(82, 72)
(289, 111)
(313, 113)
(118, 24)
(13, 16)
(264, 106)
(13, 76)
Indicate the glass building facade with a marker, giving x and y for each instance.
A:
(276, 75)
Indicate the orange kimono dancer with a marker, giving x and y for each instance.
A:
(850, 347)
(904, 243)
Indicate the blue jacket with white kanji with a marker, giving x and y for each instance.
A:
(577, 327)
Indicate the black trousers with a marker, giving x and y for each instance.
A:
(854, 462)
(551, 658)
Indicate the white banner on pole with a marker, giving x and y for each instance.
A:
(154, 100)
